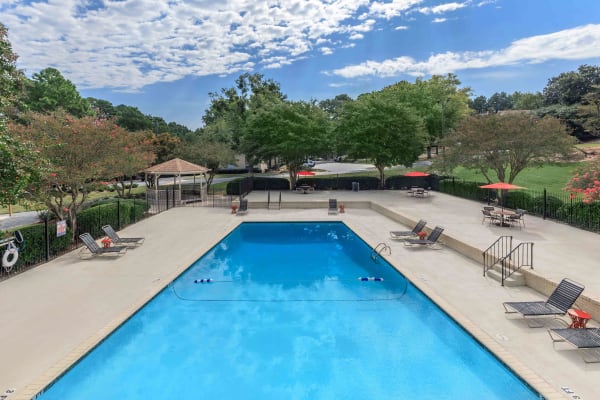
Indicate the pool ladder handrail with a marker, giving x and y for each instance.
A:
(379, 249)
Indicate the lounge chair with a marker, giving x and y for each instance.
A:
(431, 241)
(559, 302)
(119, 241)
(333, 207)
(587, 340)
(95, 250)
(243, 209)
(401, 235)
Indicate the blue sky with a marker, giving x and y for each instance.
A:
(165, 56)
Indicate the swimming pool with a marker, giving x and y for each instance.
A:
(285, 316)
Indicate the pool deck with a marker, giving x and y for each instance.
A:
(57, 312)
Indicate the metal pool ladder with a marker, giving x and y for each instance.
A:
(379, 249)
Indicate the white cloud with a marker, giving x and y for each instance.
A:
(401, 28)
(443, 8)
(579, 43)
(392, 9)
(131, 44)
(439, 20)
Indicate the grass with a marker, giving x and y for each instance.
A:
(552, 177)
(91, 197)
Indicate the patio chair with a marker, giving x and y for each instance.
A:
(559, 302)
(431, 241)
(401, 235)
(243, 209)
(333, 207)
(489, 217)
(587, 340)
(95, 250)
(515, 219)
(119, 241)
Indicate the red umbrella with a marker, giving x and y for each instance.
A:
(416, 173)
(502, 186)
(305, 173)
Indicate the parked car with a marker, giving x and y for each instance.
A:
(308, 163)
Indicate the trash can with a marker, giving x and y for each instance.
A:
(355, 186)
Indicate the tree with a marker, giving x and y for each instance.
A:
(527, 101)
(479, 104)
(49, 91)
(79, 153)
(586, 181)
(12, 80)
(438, 101)
(131, 153)
(291, 131)
(499, 102)
(230, 108)
(207, 152)
(379, 127)
(588, 112)
(505, 144)
(132, 119)
(21, 168)
(165, 146)
(569, 88)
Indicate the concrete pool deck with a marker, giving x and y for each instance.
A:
(57, 312)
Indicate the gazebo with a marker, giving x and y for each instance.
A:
(175, 168)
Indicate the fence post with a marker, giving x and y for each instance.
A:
(47, 234)
(545, 205)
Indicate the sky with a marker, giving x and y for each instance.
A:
(165, 56)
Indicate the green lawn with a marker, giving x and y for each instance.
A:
(552, 177)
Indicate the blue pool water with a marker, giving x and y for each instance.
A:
(286, 317)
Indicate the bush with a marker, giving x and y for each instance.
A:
(582, 215)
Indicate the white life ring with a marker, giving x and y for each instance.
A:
(10, 257)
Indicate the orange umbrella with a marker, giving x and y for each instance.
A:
(502, 186)
(416, 173)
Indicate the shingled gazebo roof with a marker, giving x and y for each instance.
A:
(176, 166)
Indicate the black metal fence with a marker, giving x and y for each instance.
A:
(43, 241)
(558, 206)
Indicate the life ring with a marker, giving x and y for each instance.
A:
(10, 257)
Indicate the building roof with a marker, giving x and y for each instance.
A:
(176, 166)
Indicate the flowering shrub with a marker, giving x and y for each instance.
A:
(586, 181)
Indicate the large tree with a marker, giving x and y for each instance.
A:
(568, 88)
(230, 108)
(438, 101)
(49, 91)
(12, 79)
(80, 152)
(132, 152)
(290, 131)
(501, 146)
(378, 127)
(21, 168)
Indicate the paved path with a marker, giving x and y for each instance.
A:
(53, 314)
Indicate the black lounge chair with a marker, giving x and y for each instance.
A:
(333, 207)
(431, 241)
(587, 340)
(117, 240)
(406, 234)
(559, 302)
(243, 208)
(95, 250)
